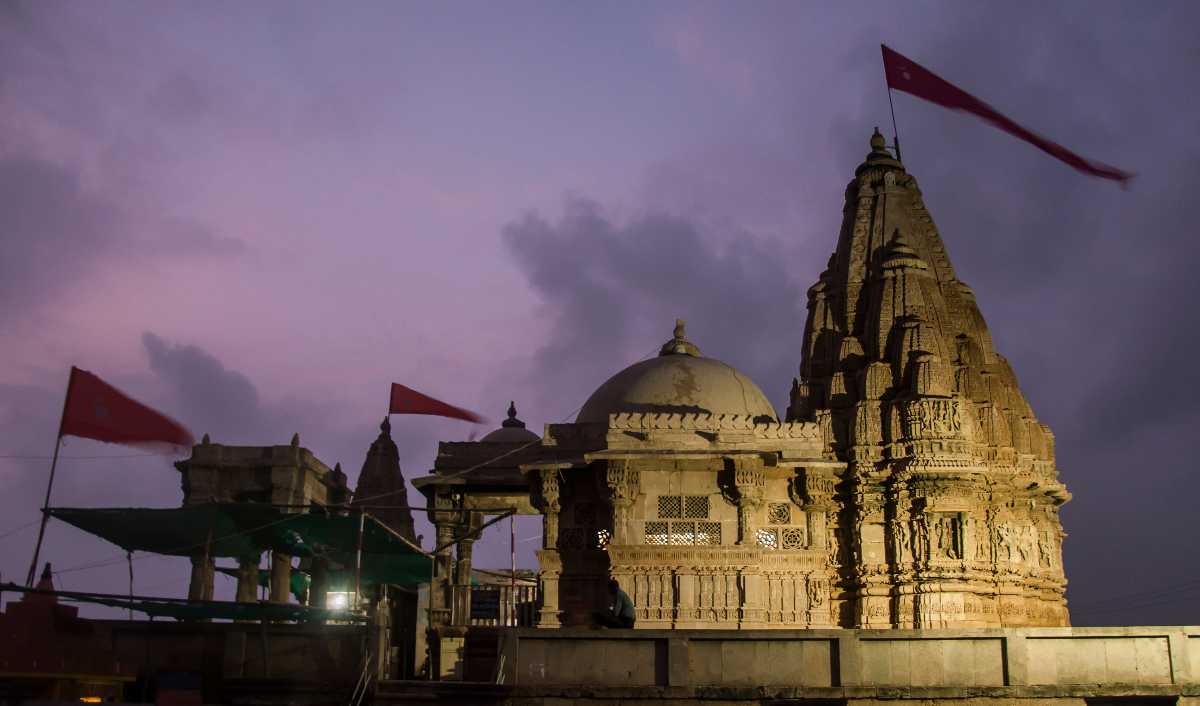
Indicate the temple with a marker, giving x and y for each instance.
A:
(893, 535)
(909, 484)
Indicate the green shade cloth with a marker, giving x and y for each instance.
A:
(245, 530)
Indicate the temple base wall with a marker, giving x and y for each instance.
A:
(969, 667)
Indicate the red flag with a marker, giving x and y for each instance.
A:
(96, 410)
(406, 400)
(904, 74)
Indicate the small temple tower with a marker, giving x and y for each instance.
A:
(949, 503)
(381, 483)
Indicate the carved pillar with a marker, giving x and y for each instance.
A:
(750, 481)
(685, 587)
(443, 518)
(461, 613)
(623, 487)
(550, 565)
(754, 594)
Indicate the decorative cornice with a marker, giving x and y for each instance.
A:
(650, 421)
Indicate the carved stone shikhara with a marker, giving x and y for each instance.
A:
(909, 484)
(951, 495)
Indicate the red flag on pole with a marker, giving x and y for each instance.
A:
(96, 410)
(405, 400)
(904, 74)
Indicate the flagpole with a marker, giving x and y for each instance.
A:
(895, 132)
(37, 550)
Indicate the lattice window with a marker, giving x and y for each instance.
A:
(670, 506)
(695, 506)
(656, 533)
(792, 538)
(603, 537)
(708, 533)
(779, 513)
(767, 538)
(683, 533)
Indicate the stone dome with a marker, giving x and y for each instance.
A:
(680, 381)
(511, 431)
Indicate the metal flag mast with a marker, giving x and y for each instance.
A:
(37, 549)
(895, 132)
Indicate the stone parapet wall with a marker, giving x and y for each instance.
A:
(867, 664)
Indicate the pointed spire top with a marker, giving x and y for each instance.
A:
(878, 143)
(46, 582)
(204, 441)
(385, 427)
(679, 344)
(296, 439)
(512, 422)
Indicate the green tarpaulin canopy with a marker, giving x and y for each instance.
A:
(246, 530)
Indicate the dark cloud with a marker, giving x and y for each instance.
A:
(615, 288)
(55, 235)
(51, 231)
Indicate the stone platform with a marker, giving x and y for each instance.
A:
(966, 666)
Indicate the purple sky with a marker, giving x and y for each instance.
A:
(256, 216)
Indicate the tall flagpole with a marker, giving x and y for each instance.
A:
(895, 132)
(37, 550)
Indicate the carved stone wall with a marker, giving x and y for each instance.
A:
(947, 514)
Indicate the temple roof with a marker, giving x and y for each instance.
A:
(679, 381)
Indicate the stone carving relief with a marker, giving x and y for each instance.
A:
(932, 418)
(945, 536)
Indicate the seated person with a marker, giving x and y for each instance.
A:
(619, 611)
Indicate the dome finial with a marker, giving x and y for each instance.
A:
(879, 155)
(512, 421)
(878, 143)
(679, 344)
(385, 427)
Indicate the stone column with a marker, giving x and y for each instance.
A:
(201, 586)
(624, 485)
(247, 579)
(281, 577)
(461, 613)
(549, 563)
(439, 590)
(750, 481)
(753, 588)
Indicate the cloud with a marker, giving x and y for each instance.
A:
(613, 290)
(51, 231)
(211, 397)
